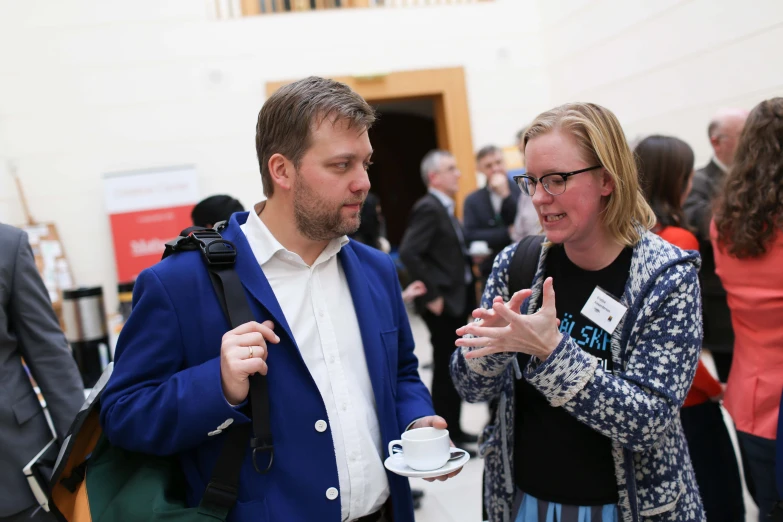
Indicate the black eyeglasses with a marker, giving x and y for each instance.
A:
(554, 183)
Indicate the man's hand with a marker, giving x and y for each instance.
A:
(435, 421)
(413, 290)
(243, 353)
(478, 259)
(498, 183)
(436, 306)
(719, 398)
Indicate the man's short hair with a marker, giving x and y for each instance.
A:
(431, 162)
(712, 129)
(486, 151)
(287, 118)
(717, 121)
(214, 209)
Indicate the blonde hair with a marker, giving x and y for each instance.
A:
(601, 139)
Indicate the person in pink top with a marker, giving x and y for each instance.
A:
(747, 235)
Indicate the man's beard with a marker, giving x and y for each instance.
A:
(315, 220)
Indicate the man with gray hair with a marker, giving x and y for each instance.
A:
(723, 131)
(433, 250)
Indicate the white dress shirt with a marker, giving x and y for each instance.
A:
(447, 202)
(720, 165)
(496, 200)
(318, 306)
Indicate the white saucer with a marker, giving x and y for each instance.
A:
(396, 464)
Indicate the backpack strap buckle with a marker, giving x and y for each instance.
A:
(217, 251)
(259, 446)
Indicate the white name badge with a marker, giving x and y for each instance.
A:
(604, 310)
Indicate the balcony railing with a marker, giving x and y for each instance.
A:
(235, 8)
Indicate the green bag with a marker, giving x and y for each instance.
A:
(94, 481)
(123, 485)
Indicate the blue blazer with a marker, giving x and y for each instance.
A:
(165, 395)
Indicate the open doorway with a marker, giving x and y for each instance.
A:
(404, 133)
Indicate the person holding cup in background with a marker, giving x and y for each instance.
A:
(589, 385)
(489, 212)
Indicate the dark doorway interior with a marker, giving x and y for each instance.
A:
(404, 133)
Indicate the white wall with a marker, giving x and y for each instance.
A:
(664, 66)
(89, 86)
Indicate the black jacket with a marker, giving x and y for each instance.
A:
(432, 253)
(482, 224)
(707, 185)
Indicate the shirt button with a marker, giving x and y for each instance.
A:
(345, 407)
(331, 359)
(320, 426)
(320, 313)
(331, 493)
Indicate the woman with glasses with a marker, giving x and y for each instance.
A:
(590, 384)
(666, 175)
(747, 236)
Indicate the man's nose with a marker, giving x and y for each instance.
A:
(362, 181)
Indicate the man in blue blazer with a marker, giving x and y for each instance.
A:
(331, 334)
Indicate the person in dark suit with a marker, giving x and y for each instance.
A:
(723, 131)
(489, 212)
(433, 250)
(29, 330)
(371, 227)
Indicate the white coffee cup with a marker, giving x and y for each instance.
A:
(423, 449)
(479, 248)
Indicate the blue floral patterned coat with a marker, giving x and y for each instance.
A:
(655, 350)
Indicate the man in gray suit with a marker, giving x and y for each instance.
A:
(723, 131)
(29, 330)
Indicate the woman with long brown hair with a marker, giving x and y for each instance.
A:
(748, 239)
(666, 175)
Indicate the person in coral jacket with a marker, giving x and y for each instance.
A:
(666, 174)
(747, 235)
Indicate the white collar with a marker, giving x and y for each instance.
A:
(265, 245)
(443, 198)
(720, 164)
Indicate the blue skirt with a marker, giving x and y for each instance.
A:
(530, 509)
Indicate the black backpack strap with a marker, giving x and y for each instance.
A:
(524, 263)
(221, 493)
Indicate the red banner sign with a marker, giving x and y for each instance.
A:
(146, 210)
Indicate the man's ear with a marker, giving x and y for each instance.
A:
(607, 183)
(281, 170)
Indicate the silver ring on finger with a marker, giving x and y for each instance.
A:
(251, 352)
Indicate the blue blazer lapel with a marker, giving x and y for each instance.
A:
(366, 315)
(252, 276)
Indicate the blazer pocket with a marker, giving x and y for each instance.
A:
(391, 344)
(26, 408)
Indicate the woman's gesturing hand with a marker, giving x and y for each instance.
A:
(505, 329)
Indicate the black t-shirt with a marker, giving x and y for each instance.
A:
(556, 457)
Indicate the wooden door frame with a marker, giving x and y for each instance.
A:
(446, 87)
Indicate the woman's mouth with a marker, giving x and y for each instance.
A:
(551, 218)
